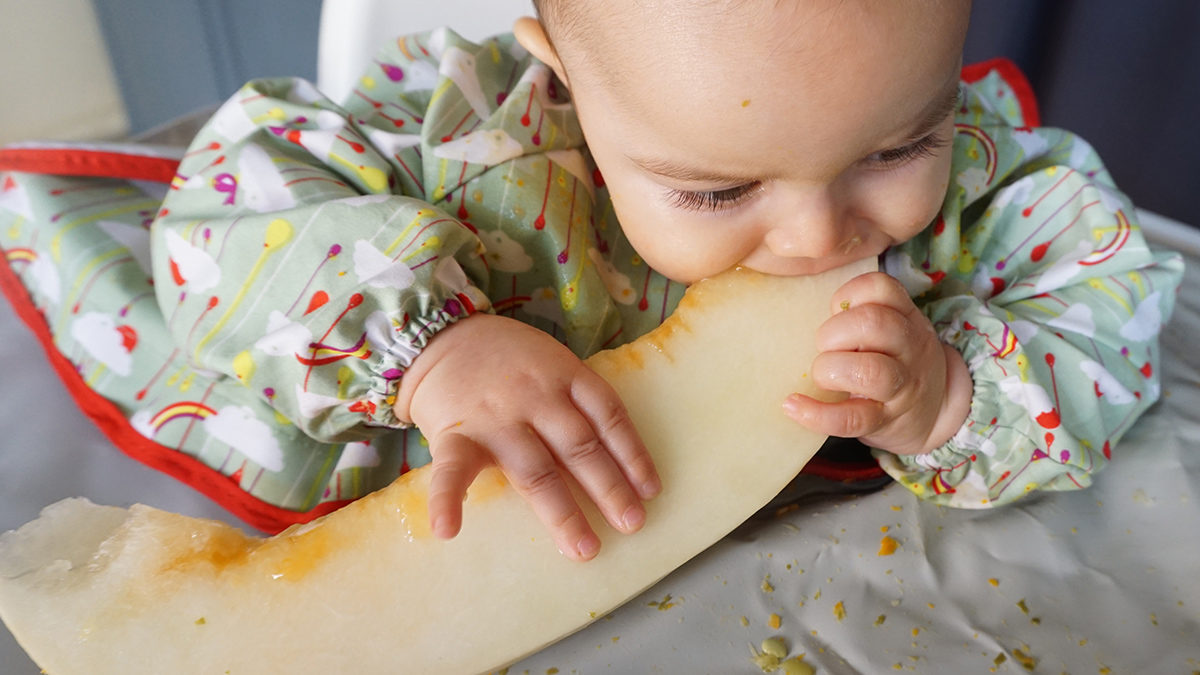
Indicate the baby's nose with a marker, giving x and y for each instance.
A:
(817, 231)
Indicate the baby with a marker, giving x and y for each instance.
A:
(789, 138)
(442, 250)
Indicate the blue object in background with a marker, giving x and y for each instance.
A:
(172, 58)
(1123, 75)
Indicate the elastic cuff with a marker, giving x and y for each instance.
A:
(399, 346)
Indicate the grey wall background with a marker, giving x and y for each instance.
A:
(173, 57)
(1124, 75)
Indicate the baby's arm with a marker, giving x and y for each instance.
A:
(309, 255)
(1056, 317)
(284, 259)
(493, 390)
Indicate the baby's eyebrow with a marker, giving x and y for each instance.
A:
(939, 107)
(691, 174)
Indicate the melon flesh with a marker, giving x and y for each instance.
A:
(367, 589)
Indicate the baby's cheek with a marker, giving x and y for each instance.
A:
(683, 254)
(923, 208)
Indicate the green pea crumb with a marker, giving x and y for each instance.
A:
(766, 662)
(775, 647)
(772, 657)
(664, 604)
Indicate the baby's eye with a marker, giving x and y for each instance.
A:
(714, 200)
(897, 157)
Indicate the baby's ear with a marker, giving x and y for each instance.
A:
(532, 36)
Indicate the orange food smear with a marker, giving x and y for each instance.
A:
(888, 546)
(490, 484)
(413, 507)
(297, 555)
(217, 546)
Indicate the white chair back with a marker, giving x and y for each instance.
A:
(352, 30)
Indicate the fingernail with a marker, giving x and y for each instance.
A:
(634, 518)
(794, 408)
(439, 527)
(588, 546)
(651, 488)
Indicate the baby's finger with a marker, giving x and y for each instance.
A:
(873, 288)
(457, 460)
(867, 374)
(851, 418)
(536, 476)
(585, 457)
(866, 328)
(599, 403)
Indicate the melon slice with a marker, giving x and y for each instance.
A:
(95, 589)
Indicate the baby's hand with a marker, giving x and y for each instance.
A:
(909, 392)
(492, 390)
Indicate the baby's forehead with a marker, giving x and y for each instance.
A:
(598, 31)
(640, 49)
(741, 73)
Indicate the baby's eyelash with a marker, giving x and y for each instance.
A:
(715, 200)
(920, 149)
(719, 200)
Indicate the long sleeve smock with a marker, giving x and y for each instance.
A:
(1037, 272)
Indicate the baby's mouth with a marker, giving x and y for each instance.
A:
(850, 244)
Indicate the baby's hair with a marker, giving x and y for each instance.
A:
(545, 8)
(557, 17)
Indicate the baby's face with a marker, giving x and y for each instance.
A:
(788, 136)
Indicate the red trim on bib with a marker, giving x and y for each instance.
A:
(1012, 75)
(116, 427)
(86, 161)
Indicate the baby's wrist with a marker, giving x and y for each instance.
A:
(956, 399)
(425, 361)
